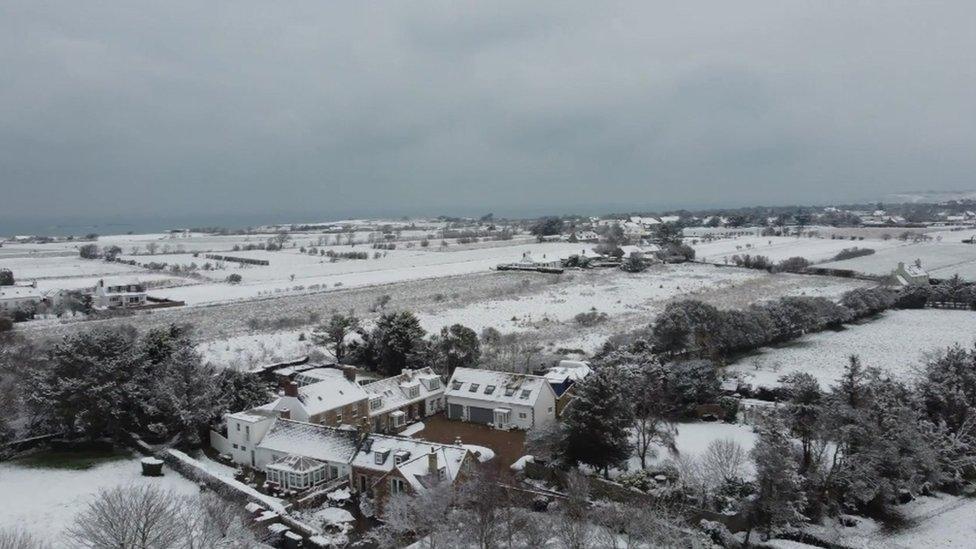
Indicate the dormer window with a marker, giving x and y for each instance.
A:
(489, 389)
(401, 456)
(474, 387)
(433, 383)
(380, 455)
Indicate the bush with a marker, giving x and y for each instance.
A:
(6, 277)
(234, 278)
(6, 324)
(793, 265)
(850, 253)
(89, 251)
(591, 318)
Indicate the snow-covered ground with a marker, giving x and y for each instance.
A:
(28, 268)
(899, 341)
(940, 521)
(693, 439)
(45, 501)
(941, 259)
(778, 248)
(315, 274)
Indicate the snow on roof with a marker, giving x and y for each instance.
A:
(496, 387)
(310, 440)
(568, 370)
(392, 445)
(915, 270)
(316, 375)
(19, 292)
(394, 391)
(296, 464)
(330, 394)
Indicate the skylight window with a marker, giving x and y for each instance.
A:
(456, 385)
(525, 394)
(489, 389)
(509, 391)
(474, 387)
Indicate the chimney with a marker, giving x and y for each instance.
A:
(901, 265)
(350, 373)
(432, 461)
(284, 413)
(291, 389)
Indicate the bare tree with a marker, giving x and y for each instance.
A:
(573, 527)
(151, 247)
(134, 517)
(480, 499)
(723, 461)
(18, 539)
(427, 516)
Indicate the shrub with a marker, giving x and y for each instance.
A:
(234, 278)
(793, 265)
(850, 253)
(591, 318)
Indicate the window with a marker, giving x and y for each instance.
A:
(525, 394)
(456, 385)
(489, 389)
(434, 383)
(522, 415)
(474, 387)
(375, 403)
(397, 486)
(550, 409)
(235, 446)
(238, 427)
(247, 432)
(509, 391)
(338, 417)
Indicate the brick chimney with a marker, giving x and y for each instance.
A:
(284, 413)
(291, 389)
(350, 373)
(432, 461)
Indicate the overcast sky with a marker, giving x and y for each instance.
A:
(190, 107)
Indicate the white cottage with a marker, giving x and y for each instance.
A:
(500, 399)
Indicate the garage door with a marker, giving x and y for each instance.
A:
(455, 411)
(481, 415)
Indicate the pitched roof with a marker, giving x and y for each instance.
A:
(497, 387)
(394, 391)
(330, 394)
(568, 370)
(414, 464)
(310, 440)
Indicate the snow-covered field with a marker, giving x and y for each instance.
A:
(940, 259)
(899, 341)
(27, 268)
(313, 274)
(45, 501)
(778, 248)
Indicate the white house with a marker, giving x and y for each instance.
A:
(297, 455)
(13, 298)
(118, 295)
(500, 399)
(910, 275)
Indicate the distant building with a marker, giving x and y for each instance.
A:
(500, 399)
(910, 275)
(17, 298)
(119, 295)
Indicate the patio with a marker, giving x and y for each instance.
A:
(507, 445)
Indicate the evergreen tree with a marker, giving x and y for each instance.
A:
(396, 337)
(333, 333)
(598, 421)
(458, 347)
(779, 498)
